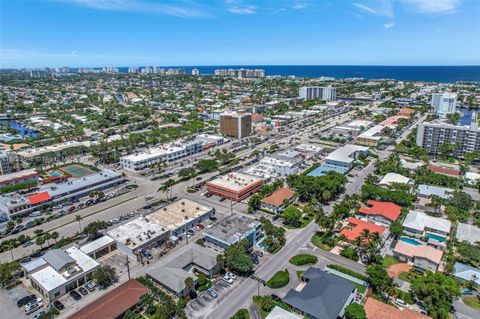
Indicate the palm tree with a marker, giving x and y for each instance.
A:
(40, 241)
(78, 219)
(55, 236)
(189, 283)
(47, 237)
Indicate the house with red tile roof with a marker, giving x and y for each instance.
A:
(421, 256)
(383, 212)
(444, 170)
(115, 303)
(275, 202)
(375, 309)
(356, 226)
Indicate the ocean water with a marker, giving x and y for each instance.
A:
(445, 74)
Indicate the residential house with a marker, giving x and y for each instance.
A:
(421, 256)
(279, 200)
(382, 212)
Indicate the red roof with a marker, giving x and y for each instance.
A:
(38, 198)
(113, 304)
(356, 227)
(375, 309)
(386, 209)
(442, 170)
(277, 197)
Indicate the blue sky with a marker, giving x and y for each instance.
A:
(38, 33)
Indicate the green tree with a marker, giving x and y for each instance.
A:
(207, 165)
(396, 228)
(78, 219)
(105, 276)
(355, 311)
(437, 292)
(236, 258)
(378, 278)
(241, 314)
(55, 236)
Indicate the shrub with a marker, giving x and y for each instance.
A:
(303, 259)
(279, 280)
(347, 271)
(350, 253)
(241, 314)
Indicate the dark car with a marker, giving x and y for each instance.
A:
(75, 295)
(23, 301)
(57, 304)
(83, 291)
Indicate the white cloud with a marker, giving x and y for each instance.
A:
(389, 25)
(300, 6)
(434, 6)
(142, 6)
(379, 8)
(243, 9)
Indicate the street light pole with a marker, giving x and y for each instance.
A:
(127, 263)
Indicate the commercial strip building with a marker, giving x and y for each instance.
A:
(431, 135)
(233, 229)
(372, 136)
(115, 303)
(170, 152)
(277, 166)
(60, 271)
(237, 125)
(382, 212)
(421, 256)
(344, 157)
(27, 175)
(321, 295)
(159, 227)
(235, 186)
(316, 92)
(14, 204)
(185, 263)
(444, 103)
(418, 224)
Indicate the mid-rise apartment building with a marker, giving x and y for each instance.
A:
(237, 125)
(241, 73)
(444, 103)
(466, 138)
(327, 93)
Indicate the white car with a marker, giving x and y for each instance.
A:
(231, 275)
(400, 302)
(227, 279)
(32, 308)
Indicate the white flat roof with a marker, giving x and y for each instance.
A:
(418, 220)
(97, 244)
(136, 231)
(390, 178)
(152, 153)
(344, 153)
(50, 279)
(359, 123)
(372, 132)
(235, 181)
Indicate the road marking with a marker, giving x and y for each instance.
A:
(314, 248)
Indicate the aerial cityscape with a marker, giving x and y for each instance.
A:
(239, 159)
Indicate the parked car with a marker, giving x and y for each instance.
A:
(83, 291)
(91, 286)
(212, 292)
(213, 218)
(201, 226)
(27, 243)
(115, 220)
(81, 205)
(57, 304)
(36, 214)
(231, 275)
(222, 199)
(31, 308)
(227, 279)
(89, 202)
(40, 314)
(25, 300)
(71, 209)
(147, 255)
(75, 295)
(400, 302)
(17, 229)
(30, 224)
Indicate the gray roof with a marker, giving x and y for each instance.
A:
(323, 296)
(173, 278)
(466, 272)
(429, 190)
(57, 258)
(197, 255)
(467, 232)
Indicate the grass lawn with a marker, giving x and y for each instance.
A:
(304, 222)
(360, 288)
(300, 274)
(317, 241)
(389, 260)
(280, 279)
(407, 276)
(472, 301)
(258, 302)
(303, 259)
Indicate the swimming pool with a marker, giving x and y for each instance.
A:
(263, 245)
(55, 174)
(410, 241)
(324, 169)
(437, 237)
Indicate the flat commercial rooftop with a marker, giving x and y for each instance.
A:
(18, 175)
(344, 153)
(235, 181)
(136, 232)
(232, 228)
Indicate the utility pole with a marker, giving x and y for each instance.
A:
(258, 288)
(127, 263)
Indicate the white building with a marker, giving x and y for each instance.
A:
(133, 69)
(327, 93)
(60, 271)
(418, 224)
(195, 72)
(444, 103)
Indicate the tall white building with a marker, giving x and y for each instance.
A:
(195, 72)
(327, 93)
(110, 69)
(444, 103)
(147, 70)
(133, 69)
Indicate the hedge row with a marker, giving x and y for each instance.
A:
(303, 259)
